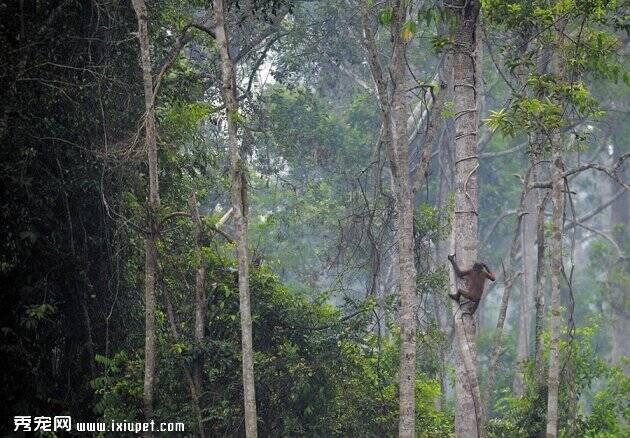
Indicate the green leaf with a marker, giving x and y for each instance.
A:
(407, 31)
(385, 16)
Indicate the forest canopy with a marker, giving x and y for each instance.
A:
(315, 217)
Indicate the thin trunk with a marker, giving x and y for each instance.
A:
(201, 309)
(80, 291)
(469, 415)
(194, 394)
(239, 204)
(89, 344)
(150, 268)
(542, 67)
(442, 248)
(435, 123)
(380, 86)
(528, 239)
(509, 278)
(154, 202)
(540, 287)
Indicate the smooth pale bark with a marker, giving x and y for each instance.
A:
(154, 202)
(239, 205)
(468, 409)
(528, 283)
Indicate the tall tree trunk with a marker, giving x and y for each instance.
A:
(380, 86)
(557, 197)
(239, 205)
(394, 121)
(404, 235)
(445, 176)
(556, 267)
(542, 67)
(540, 287)
(441, 251)
(468, 416)
(154, 202)
(528, 284)
(201, 311)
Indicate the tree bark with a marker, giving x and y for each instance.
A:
(509, 278)
(404, 213)
(556, 267)
(444, 185)
(239, 205)
(542, 67)
(194, 394)
(201, 311)
(540, 287)
(557, 197)
(528, 284)
(394, 119)
(154, 202)
(442, 248)
(468, 417)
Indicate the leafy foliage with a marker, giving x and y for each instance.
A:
(315, 375)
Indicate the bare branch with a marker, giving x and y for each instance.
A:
(588, 216)
(620, 253)
(611, 171)
(225, 218)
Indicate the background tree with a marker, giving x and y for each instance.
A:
(315, 132)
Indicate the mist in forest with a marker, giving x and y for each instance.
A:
(313, 218)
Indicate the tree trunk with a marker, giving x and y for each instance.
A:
(394, 118)
(468, 417)
(528, 284)
(441, 251)
(154, 202)
(556, 266)
(542, 67)
(404, 235)
(239, 204)
(194, 394)
(201, 311)
(380, 86)
(509, 278)
(557, 197)
(540, 287)
(445, 176)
